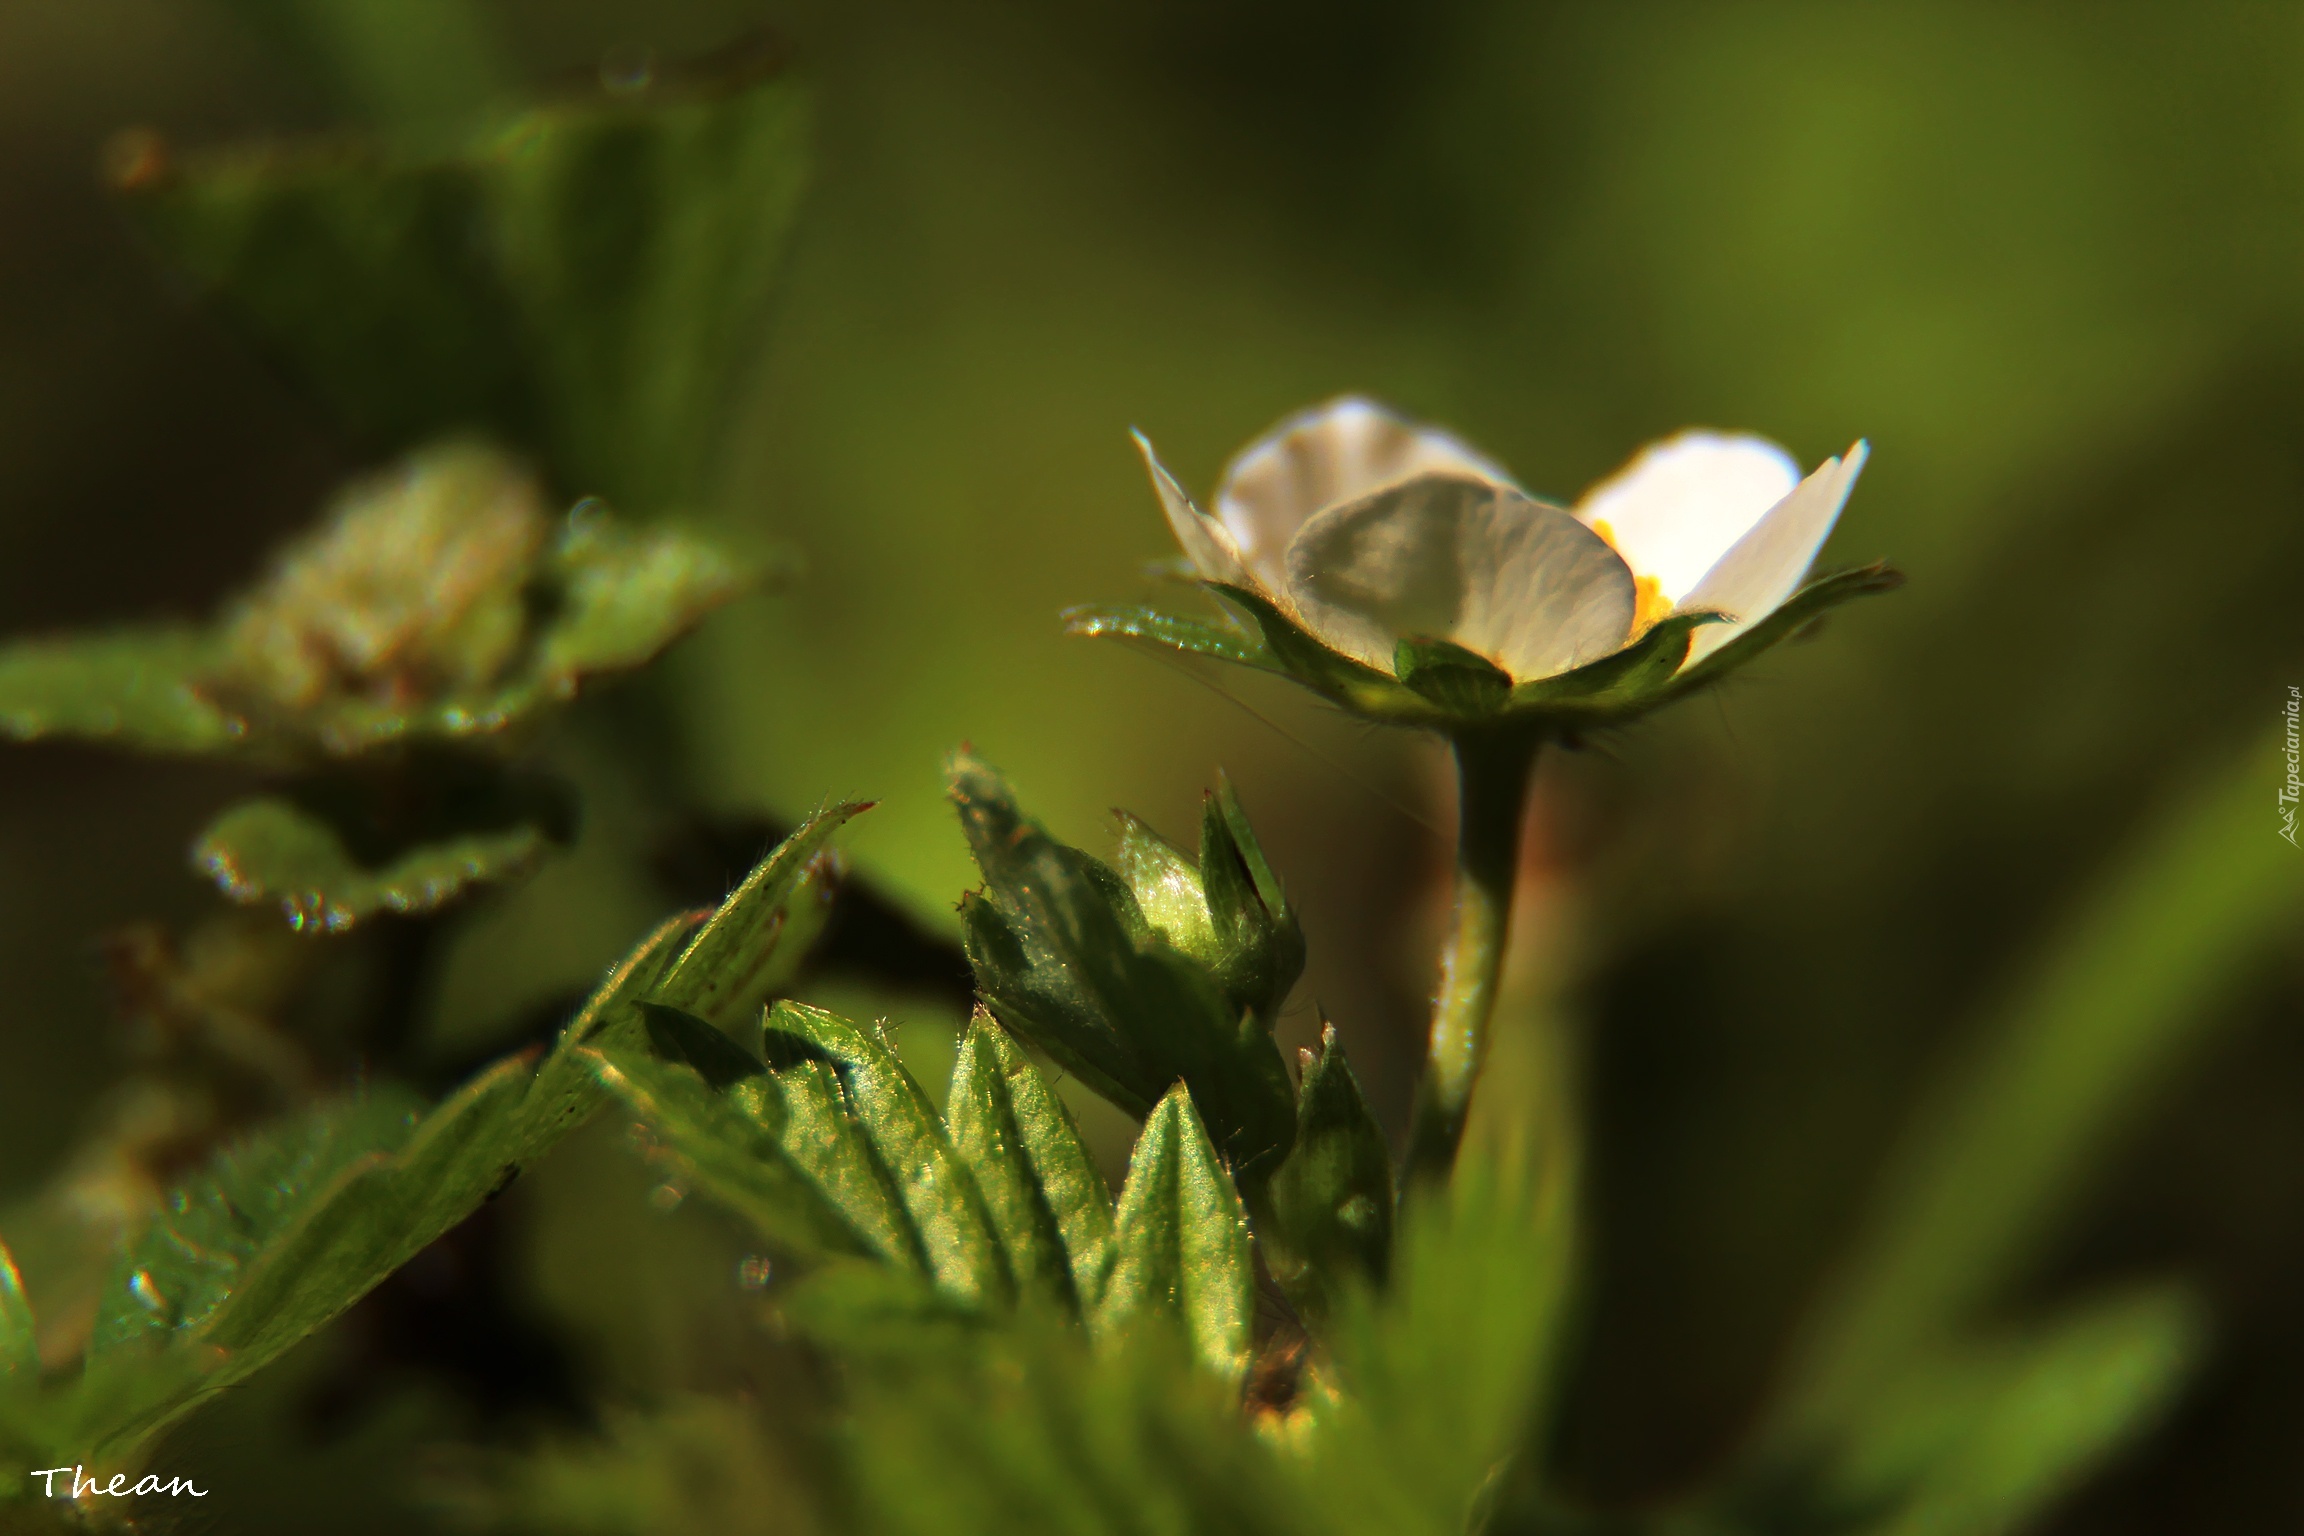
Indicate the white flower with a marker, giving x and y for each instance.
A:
(1366, 529)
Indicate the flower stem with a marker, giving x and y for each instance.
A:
(1492, 774)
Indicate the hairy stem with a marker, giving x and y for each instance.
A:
(1492, 773)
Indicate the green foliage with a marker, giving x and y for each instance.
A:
(436, 604)
(1034, 1431)
(1331, 1201)
(283, 1233)
(274, 851)
(1180, 1244)
(1044, 1194)
(140, 689)
(1979, 1440)
(1441, 1377)
(585, 280)
(2008, 1137)
(1066, 957)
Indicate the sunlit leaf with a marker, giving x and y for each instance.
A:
(738, 1159)
(754, 943)
(624, 594)
(1180, 1244)
(938, 1191)
(1041, 1188)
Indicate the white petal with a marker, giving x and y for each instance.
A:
(1445, 557)
(1766, 565)
(1204, 539)
(1678, 506)
(1337, 452)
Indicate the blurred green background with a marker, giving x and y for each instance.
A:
(2046, 259)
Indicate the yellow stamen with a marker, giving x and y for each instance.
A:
(1648, 600)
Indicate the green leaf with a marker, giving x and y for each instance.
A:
(681, 1037)
(754, 944)
(947, 1210)
(142, 688)
(1441, 1376)
(625, 594)
(1033, 1431)
(1459, 680)
(271, 850)
(1041, 1188)
(1331, 1201)
(340, 1212)
(1180, 1244)
(2005, 1140)
(736, 1157)
(819, 1131)
(566, 1090)
(193, 1256)
(1804, 606)
(1065, 957)
(588, 282)
(1979, 1440)
(641, 240)
(19, 1338)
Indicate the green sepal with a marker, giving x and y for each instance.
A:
(939, 1194)
(1259, 943)
(1799, 610)
(1180, 1253)
(1166, 883)
(678, 1036)
(1623, 679)
(147, 689)
(1064, 956)
(1460, 681)
(1444, 686)
(1042, 1189)
(1331, 1202)
(273, 851)
(19, 1335)
(1152, 628)
(1353, 684)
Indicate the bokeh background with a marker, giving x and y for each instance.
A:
(2045, 258)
